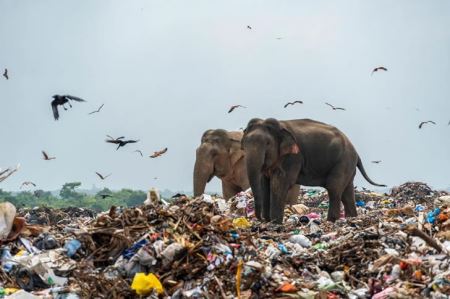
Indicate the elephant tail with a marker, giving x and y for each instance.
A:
(363, 172)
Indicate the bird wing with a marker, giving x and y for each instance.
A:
(287, 104)
(330, 105)
(432, 122)
(339, 108)
(74, 98)
(112, 141)
(300, 102)
(164, 151)
(55, 110)
(108, 175)
(45, 155)
(421, 124)
(231, 109)
(99, 175)
(383, 68)
(140, 152)
(100, 108)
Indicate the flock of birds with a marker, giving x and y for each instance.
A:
(62, 101)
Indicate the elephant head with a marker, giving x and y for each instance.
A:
(264, 143)
(218, 152)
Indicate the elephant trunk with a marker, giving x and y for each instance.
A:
(255, 162)
(203, 172)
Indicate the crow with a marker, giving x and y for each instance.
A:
(249, 27)
(103, 196)
(140, 152)
(293, 103)
(376, 162)
(62, 100)
(380, 68)
(101, 176)
(96, 111)
(234, 107)
(426, 122)
(5, 74)
(159, 153)
(46, 156)
(335, 108)
(119, 141)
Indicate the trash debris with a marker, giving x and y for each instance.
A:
(206, 247)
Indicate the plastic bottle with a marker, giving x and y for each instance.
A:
(71, 247)
(7, 265)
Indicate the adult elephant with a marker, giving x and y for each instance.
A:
(280, 154)
(220, 155)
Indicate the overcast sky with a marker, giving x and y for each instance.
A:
(168, 70)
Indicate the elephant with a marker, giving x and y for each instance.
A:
(282, 153)
(220, 155)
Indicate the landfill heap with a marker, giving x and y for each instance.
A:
(211, 248)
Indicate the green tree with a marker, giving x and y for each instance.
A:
(68, 191)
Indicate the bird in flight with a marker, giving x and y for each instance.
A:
(102, 176)
(27, 183)
(159, 153)
(426, 122)
(140, 152)
(119, 141)
(98, 110)
(103, 196)
(292, 103)
(62, 100)
(249, 27)
(234, 107)
(46, 157)
(7, 173)
(380, 68)
(335, 108)
(376, 162)
(5, 74)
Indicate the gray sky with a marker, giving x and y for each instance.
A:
(169, 70)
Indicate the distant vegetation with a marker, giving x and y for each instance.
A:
(70, 197)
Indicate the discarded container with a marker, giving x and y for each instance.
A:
(144, 284)
(71, 247)
(301, 240)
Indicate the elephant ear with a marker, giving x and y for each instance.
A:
(288, 143)
(236, 154)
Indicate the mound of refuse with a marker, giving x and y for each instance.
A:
(207, 247)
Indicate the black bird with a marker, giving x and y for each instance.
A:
(380, 68)
(335, 108)
(249, 27)
(376, 162)
(426, 122)
(119, 141)
(46, 157)
(5, 74)
(27, 183)
(62, 100)
(103, 196)
(98, 110)
(293, 103)
(102, 176)
(140, 152)
(234, 107)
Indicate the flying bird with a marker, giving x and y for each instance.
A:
(101, 176)
(5, 74)
(159, 153)
(234, 107)
(8, 172)
(98, 110)
(292, 103)
(249, 27)
(426, 122)
(335, 108)
(380, 68)
(27, 183)
(140, 152)
(46, 157)
(61, 100)
(103, 196)
(119, 141)
(376, 162)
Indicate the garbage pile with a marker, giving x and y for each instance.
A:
(207, 247)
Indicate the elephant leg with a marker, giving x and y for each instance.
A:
(348, 199)
(279, 186)
(292, 196)
(229, 190)
(265, 196)
(336, 184)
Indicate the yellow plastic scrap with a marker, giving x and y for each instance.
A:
(241, 222)
(238, 278)
(143, 284)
